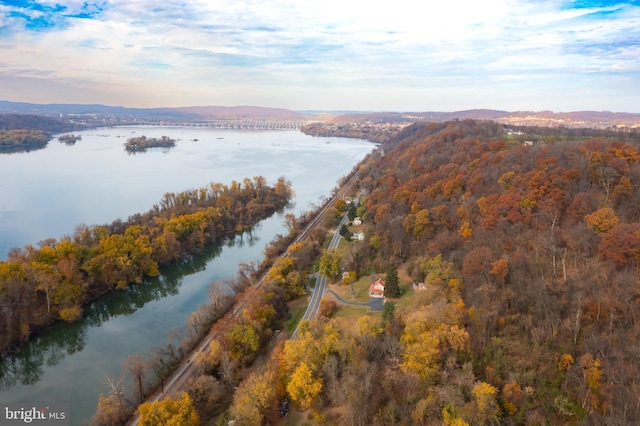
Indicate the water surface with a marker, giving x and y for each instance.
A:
(47, 193)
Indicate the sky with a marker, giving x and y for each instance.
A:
(373, 55)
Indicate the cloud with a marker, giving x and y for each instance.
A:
(42, 15)
(306, 54)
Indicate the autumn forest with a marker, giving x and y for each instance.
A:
(541, 246)
(53, 281)
(527, 256)
(511, 258)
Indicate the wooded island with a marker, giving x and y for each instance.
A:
(22, 140)
(142, 143)
(39, 285)
(70, 139)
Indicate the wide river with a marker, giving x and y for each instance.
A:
(46, 193)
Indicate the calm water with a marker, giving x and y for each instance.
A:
(46, 193)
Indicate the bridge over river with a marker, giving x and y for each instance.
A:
(248, 124)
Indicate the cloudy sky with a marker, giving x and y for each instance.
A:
(400, 55)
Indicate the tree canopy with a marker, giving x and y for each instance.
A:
(39, 285)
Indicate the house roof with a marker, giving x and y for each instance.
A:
(377, 287)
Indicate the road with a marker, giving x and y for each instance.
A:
(186, 368)
(321, 282)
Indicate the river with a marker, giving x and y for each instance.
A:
(46, 193)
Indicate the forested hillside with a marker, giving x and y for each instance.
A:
(525, 258)
(33, 122)
(546, 241)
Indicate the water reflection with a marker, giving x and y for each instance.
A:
(51, 346)
(17, 149)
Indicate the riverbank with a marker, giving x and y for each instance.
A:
(96, 181)
(63, 276)
(194, 365)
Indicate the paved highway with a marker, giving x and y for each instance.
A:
(321, 282)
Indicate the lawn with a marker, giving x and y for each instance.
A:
(360, 287)
(297, 309)
(351, 312)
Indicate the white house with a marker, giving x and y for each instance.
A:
(358, 236)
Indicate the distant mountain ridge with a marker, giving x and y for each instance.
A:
(181, 113)
(241, 113)
(598, 119)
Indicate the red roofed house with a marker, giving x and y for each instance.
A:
(377, 289)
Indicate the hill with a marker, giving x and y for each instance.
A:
(518, 268)
(182, 114)
(33, 122)
(544, 241)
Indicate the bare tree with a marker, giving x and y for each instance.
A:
(227, 368)
(137, 366)
(161, 364)
(113, 408)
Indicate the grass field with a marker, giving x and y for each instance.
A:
(297, 309)
(360, 292)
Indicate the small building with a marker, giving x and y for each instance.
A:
(358, 236)
(377, 289)
(356, 221)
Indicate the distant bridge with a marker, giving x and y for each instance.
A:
(248, 124)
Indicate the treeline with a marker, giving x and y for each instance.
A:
(377, 133)
(142, 143)
(388, 131)
(39, 285)
(34, 122)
